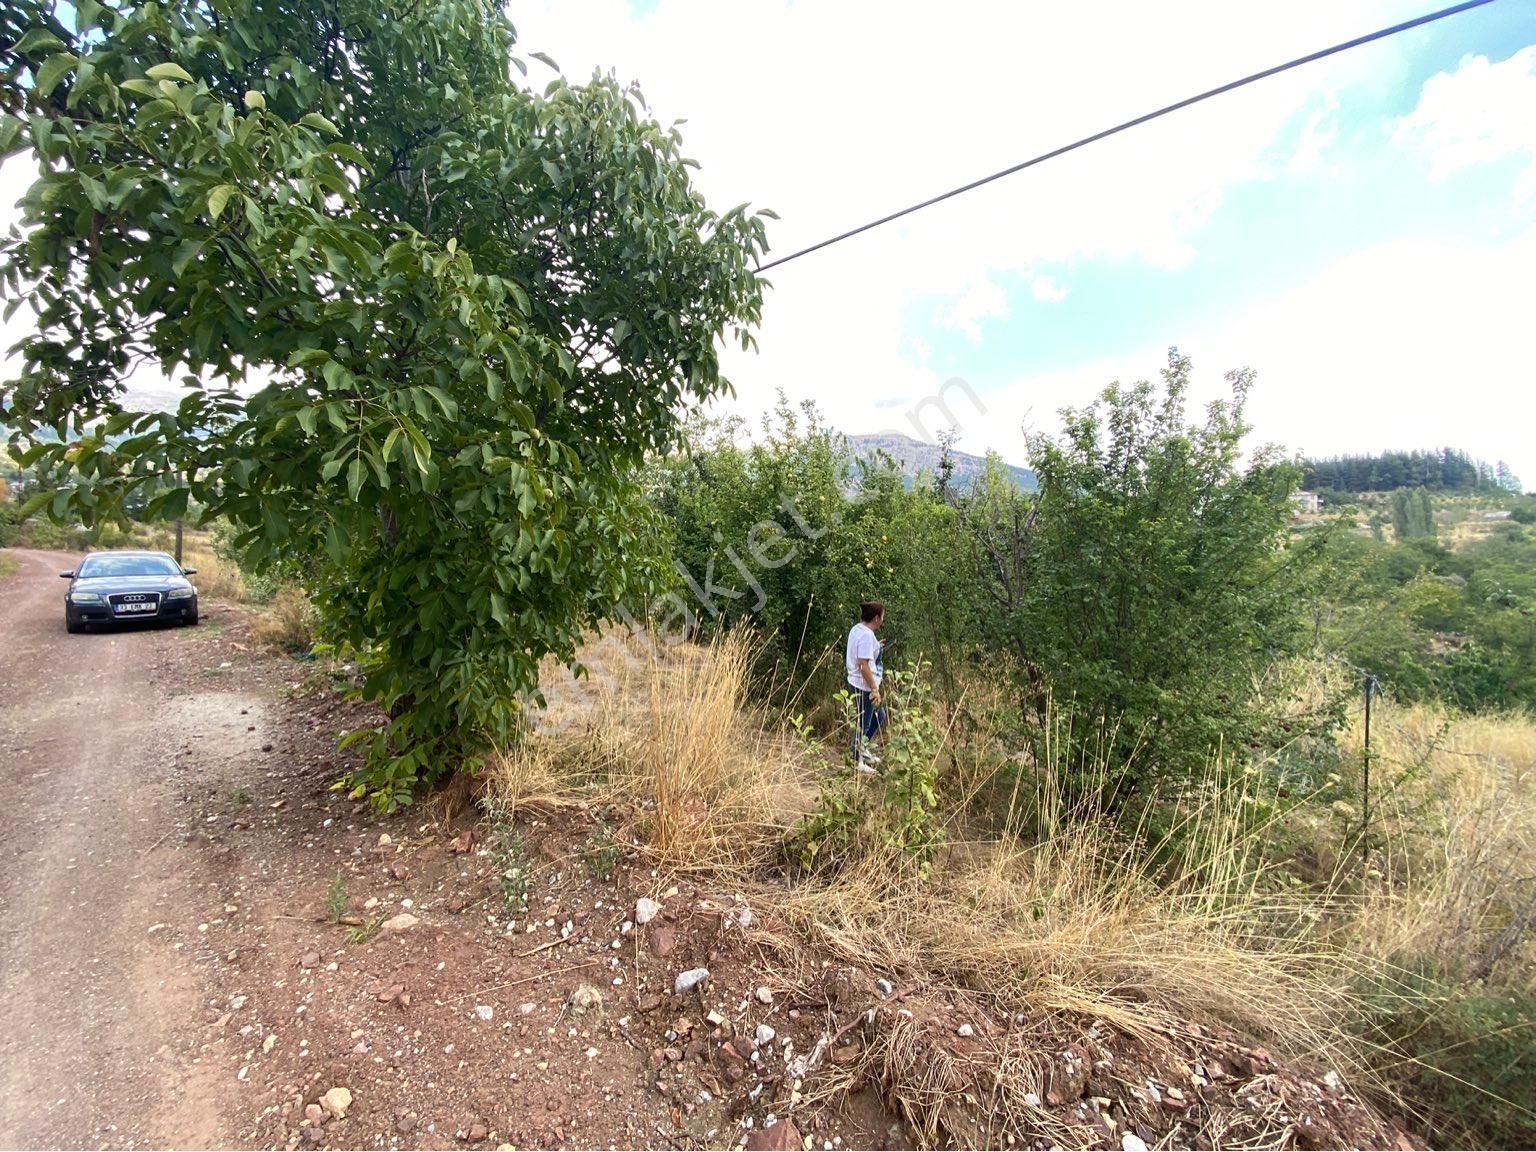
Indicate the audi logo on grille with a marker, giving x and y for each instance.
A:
(136, 597)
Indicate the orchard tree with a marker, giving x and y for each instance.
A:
(1161, 584)
(427, 321)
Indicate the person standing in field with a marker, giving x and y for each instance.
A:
(864, 675)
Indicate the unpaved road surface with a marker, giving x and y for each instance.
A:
(100, 1041)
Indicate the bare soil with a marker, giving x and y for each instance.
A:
(200, 938)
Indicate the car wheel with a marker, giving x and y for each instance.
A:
(71, 626)
(190, 621)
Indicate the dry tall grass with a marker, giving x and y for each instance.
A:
(664, 730)
(1456, 816)
(217, 578)
(282, 620)
(1441, 937)
(286, 622)
(1080, 917)
(1083, 918)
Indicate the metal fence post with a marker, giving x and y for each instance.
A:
(1371, 686)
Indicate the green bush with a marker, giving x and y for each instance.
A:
(792, 532)
(895, 813)
(1464, 1058)
(261, 587)
(1436, 624)
(40, 532)
(1150, 584)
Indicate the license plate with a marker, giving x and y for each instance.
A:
(126, 609)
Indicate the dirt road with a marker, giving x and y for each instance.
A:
(102, 1009)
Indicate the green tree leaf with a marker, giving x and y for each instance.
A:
(315, 120)
(217, 199)
(54, 69)
(186, 252)
(169, 70)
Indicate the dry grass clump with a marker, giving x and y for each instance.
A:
(286, 622)
(1015, 1087)
(527, 776)
(664, 730)
(217, 578)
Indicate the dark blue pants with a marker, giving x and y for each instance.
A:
(871, 718)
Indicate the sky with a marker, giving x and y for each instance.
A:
(1360, 231)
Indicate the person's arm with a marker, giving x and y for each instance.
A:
(867, 670)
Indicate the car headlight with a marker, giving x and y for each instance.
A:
(84, 598)
(180, 594)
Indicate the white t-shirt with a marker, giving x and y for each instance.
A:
(863, 645)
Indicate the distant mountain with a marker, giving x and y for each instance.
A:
(914, 457)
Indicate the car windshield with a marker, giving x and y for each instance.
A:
(105, 564)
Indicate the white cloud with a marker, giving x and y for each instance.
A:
(1046, 290)
(1478, 114)
(1317, 136)
(983, 300)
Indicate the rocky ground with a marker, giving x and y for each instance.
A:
(222, 950)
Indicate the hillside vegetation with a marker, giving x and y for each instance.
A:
(1126, 777)
(1444, 609)
(1438, 470)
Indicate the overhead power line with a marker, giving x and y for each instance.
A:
(1380, 34)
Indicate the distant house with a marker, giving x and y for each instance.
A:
(1308, 502)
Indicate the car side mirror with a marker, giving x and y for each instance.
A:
(189, 571)
(66, 575)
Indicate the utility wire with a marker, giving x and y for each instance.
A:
(1380, 34)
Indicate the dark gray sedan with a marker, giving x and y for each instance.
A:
(128, 587)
